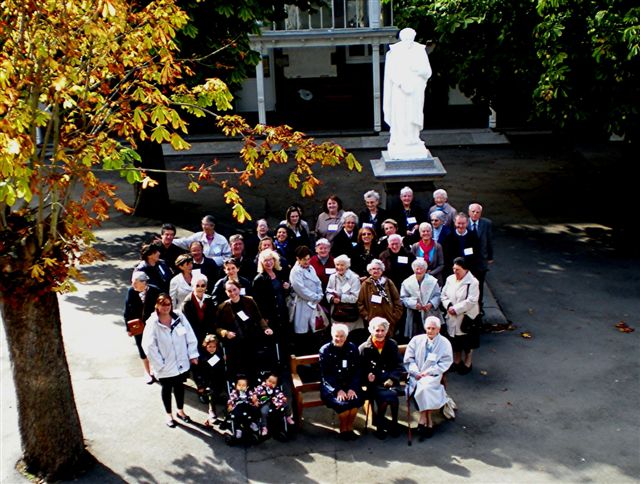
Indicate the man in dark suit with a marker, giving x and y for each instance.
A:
(461, 243)
(483, 228)
(205, 265)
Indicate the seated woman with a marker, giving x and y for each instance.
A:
(180, 285)
(341, 388)
(231, 268)
(460, 296)
(381, 372)
(427, 358)
(241, 329)
(431, 251)
(420, 294)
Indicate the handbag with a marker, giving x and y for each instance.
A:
(135, 327)
(345, 312)
(321, 318)
(470, 325)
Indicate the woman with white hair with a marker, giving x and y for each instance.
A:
(441, 204)
(341, 388)
(373, 215)
(408, 215)
(347, 239)
(379, 297)
(420, 294)
(381, 372)
(427, 358)
(342, 293)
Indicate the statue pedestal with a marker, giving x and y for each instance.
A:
(419, 174)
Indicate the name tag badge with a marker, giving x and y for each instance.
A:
(344, 363)
(376, 299)
(411, 220)
(242, 315)
(367, 226)
(213, 360)
(353, 244)
(431, 357)
(403, 259)
(330, 270)
(332, 227)
(243, 291)
(180, 331)
(346, 288)
(468, 251)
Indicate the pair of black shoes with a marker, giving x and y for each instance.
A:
(460, 368)
(347, 436)
(424, 432)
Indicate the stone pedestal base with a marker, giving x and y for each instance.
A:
(420, 175)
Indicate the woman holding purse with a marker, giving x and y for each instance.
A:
(342, 293)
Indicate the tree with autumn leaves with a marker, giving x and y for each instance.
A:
(81, 83)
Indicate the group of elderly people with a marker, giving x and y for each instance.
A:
(385, 271)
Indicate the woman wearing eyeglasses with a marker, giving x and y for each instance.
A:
(171, 346)
(200, 310)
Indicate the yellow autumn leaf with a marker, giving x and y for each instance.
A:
(122, 207)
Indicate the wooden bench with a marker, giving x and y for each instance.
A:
(307, 395)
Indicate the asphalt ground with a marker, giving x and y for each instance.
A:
(561, 406)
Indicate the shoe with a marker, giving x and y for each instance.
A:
(290, 420)
(455, 367)
(344, 436)
(352, 435)
(380, 434)
(202, 396)
(171, 423)
(264, 432)
(185, 418)
(394, 430)
(428, 432)
(464, 369)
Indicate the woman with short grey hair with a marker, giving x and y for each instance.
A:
(342, 293)
(420, 294)
(441, 204)
(379, 296)
(347, 239)
(373, 215)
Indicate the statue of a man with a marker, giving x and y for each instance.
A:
(406, 73)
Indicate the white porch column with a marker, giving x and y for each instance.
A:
(375, 65)
(262, 112)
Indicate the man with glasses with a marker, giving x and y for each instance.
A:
(214, 245)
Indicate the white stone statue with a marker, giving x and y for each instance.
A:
(406, 73)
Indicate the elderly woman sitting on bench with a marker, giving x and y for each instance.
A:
(426, 359)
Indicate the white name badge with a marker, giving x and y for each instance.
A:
(353, 244)
(411, 220)
(403, 259)
(345, 288)
(213, 360)
(332, 227)
(243, 291)
(242, 315)
(330, 270)
(180, 331)
(344, 363)
(376, 299)
(367, 226)
(468, 251)
(431, 357)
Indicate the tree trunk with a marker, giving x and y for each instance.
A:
(52, 441)
(152, 201)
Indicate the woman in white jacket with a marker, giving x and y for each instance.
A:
(171, 346)
(343, 288)
(460, 296)
(420, 294)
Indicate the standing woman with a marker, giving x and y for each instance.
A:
(340, 369)
(328, 223)
(231, 267)
(270, 289)
(180, 286)
(140, 303)
(460, 296)
(285, 244)
(171, 345)
(298, 227)
(346, 240)
(373, 215)
(408, 215)
(200, 311)
(431, 251)
(307, 292)
(381, 372)
(379, 297)
(151, 264)
(342, 293)
(365, 251)
(420, 294)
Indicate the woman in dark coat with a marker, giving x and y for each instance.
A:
(381, 366)
(241, 329)
(341, 389)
